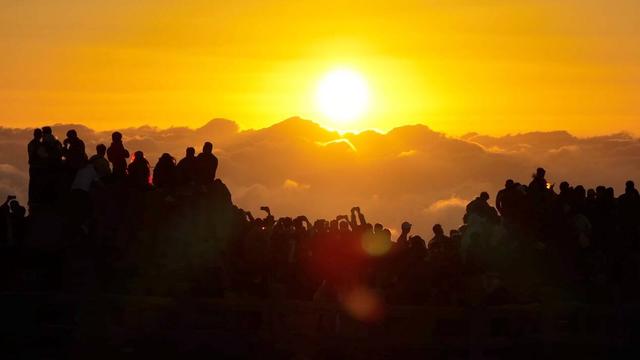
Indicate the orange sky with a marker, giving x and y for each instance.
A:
(480, 65)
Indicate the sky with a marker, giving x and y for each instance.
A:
(487, 66)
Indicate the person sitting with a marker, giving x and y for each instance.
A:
(187, 167)
(481, 208)
(138, 171)
(164, 173)
(118, 155)
(100, 163)
(206, 164)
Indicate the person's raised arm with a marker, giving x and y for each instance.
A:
(353, 221)
(363, 221)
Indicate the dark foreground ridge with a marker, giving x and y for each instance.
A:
(116, 258)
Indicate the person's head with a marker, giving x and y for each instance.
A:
(72, 134)
(37, 133)
(207, 148)
(406, 227)
(484, 196)
(610, 193)
(368, 228)
(437, 229)
(298, 224)
(508, 184)
(116, 136)
(166, 157)
(629, 185)
(333, 225)
(417, 242)
(138, 155)
(591, 194)
(191, 152)
(344, 226)
(101, 149)
(378, 227)
(386, 234)
(564, 186)
(319, 225)
(46, 130)
(540, 172)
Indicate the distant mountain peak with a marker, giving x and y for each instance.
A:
(219, 125)
(297, 126)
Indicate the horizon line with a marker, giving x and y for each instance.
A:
(341, 132)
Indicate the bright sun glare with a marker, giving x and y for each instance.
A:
(342, 95)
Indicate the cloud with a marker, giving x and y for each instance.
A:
(452, 202)
(407, 153)
(294, 185)
(410, 173)
(339, 142)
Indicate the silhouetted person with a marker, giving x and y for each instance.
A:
(12, 222)
(439, 240)
(187, 167)
(538, 182)
(83, 181)
(52, 147)
(100, 163)
(206, 164)
(502, 196)
(35, 148)
(403, 239)
(118, 155)
(51, 189)
(480, 207)
(73, 151)
(629, 212)
(164, 173)
(37, 167)
(139, 172)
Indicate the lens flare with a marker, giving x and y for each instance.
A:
(363, 304)
(375, 245)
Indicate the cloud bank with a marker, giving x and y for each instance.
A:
(410, 173)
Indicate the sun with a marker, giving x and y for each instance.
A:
(342, 95)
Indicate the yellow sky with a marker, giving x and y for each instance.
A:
(472, 65)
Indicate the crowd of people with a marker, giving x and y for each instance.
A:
(109, 222)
